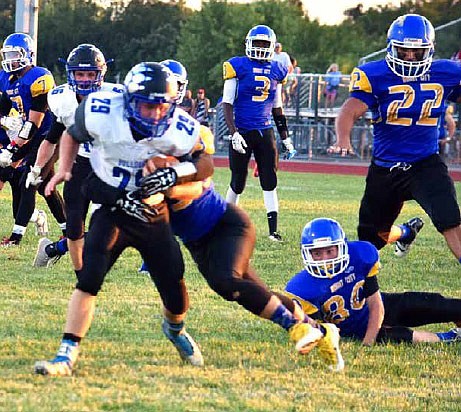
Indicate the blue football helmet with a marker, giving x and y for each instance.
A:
(85, 57)
(17, 52)
(257, 51)
(149, 82)
(410, 31)
(321, 233)
(180, 74)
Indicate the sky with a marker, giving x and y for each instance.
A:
(326, 11)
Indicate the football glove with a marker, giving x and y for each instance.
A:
(6, 157)
(238, 143)
(131, 203)
(33, 177)
(11, 123)
(288, 149)
(158, 181)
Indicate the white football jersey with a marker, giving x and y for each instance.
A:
(116, 157)
(62, 101)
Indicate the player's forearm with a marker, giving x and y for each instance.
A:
(228, 111)
(343, 125)
(30, 128)
(204, 168)
(375, 318)
(67, 153)
(45, 152)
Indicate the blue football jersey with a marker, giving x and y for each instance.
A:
(339, 300)
(34, 82)
(405, 111)
(195, 219)
(257, 83)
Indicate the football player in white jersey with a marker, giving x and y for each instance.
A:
(86, 67)
(126, 130)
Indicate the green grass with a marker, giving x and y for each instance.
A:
(127, 365)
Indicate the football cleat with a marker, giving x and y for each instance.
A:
(41, 257)
(329, 348)
(184, 344)
(275, 237)
(62, 364)
(6, 242)
(41, 224)
(305, 337)
(452, 336)
(402, 247)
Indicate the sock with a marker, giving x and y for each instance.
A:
(71, 337)
(272, 222)
(19, 230)
(406, 232)
(232, 197)
(61, 246)
(283, 317)
(175, 328)
(15, 237)
(449, 336)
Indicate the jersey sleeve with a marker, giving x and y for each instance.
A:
(42, 85)
(360, 87)
(307, 307)
(229, 71)
(205, 141)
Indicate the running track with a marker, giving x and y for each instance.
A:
(311, 166)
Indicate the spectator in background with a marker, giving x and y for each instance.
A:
(332, 81)
(201, 107)
(447, 128)
(187, 103)
(282, 57)
(291, 85)
(456, 55)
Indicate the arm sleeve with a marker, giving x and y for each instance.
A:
(278, 96)
(56, 130)
(78, 129)
(39, 103)
(5, 105)
(230, 87)
(371, 286)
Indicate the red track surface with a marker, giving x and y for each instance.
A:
(341, 168)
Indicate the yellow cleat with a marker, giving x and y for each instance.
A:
(305, 336)
(329, 348)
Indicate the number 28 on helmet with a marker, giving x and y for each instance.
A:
(324, 233)
(410, 45)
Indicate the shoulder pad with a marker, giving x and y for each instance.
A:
(359, 81)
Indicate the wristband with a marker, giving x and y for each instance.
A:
(185, 169)
(28, 130)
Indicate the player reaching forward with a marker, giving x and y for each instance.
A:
(406, 93)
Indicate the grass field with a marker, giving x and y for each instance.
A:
(127, 364)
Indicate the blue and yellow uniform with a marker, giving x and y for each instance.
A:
(21, 91)
(340, 299)
(405, 111)
(257, 83)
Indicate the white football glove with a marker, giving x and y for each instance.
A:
(5, 158)
(33, 177)
(11, 123)
(290, 150)
(238, 143)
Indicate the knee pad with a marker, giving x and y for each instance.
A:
(397, 334)
(74, 225)
(268, 180)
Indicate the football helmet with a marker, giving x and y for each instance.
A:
(85, 57)
(253, 48)
(154, 83)
(17, 52)
(415, 32)
(180, 74)
(320, 233)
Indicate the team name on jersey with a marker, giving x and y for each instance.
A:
(260, 70)
(340, 283)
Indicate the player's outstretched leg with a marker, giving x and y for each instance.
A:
(412, 227)
(62, 364)
(183, 342)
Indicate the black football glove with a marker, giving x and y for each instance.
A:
(158, 181)
(131, 203)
